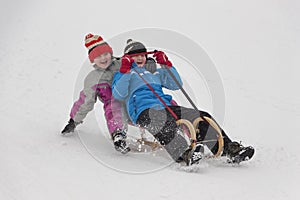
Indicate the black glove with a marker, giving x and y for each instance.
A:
(119, 142)
(70, 127)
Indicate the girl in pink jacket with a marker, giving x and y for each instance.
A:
(97, 84)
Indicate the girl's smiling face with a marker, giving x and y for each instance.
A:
(104, 60)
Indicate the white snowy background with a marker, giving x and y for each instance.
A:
(254, 45)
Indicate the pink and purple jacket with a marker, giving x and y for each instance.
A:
(97, 84)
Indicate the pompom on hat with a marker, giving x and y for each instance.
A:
(96, 46)
(133, 47)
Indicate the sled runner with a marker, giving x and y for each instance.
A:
(215, 138)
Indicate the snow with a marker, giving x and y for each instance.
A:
(254, 46)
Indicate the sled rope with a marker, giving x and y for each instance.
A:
(143, 53)
(181, 88)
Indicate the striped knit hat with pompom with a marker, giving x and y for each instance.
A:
(133, 47)
(96, 46)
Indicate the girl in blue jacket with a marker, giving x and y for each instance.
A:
(146, 104)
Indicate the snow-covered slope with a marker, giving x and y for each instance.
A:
(254, 46)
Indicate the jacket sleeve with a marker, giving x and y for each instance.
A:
(85, 103)
(120, 85)
(166, 79)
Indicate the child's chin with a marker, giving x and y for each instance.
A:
(102, 66)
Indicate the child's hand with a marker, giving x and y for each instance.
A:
(70, 127)
(126, 64)
(161, 58)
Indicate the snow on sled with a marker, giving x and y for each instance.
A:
(143, 142)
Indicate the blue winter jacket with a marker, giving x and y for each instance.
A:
(132, 89)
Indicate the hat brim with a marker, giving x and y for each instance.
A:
(137, 51)
(98, 50)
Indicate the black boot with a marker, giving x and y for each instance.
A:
(238, 153)
(192, 155)
(119, 137)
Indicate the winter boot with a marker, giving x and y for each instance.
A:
(238, 153)
(119, 137)
(192, 155)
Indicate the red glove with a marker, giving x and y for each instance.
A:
(161, 58)
(126, 64)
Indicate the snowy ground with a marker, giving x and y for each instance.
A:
(255, 47)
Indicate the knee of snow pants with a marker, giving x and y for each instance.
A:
(113, 115)
(163, 127)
